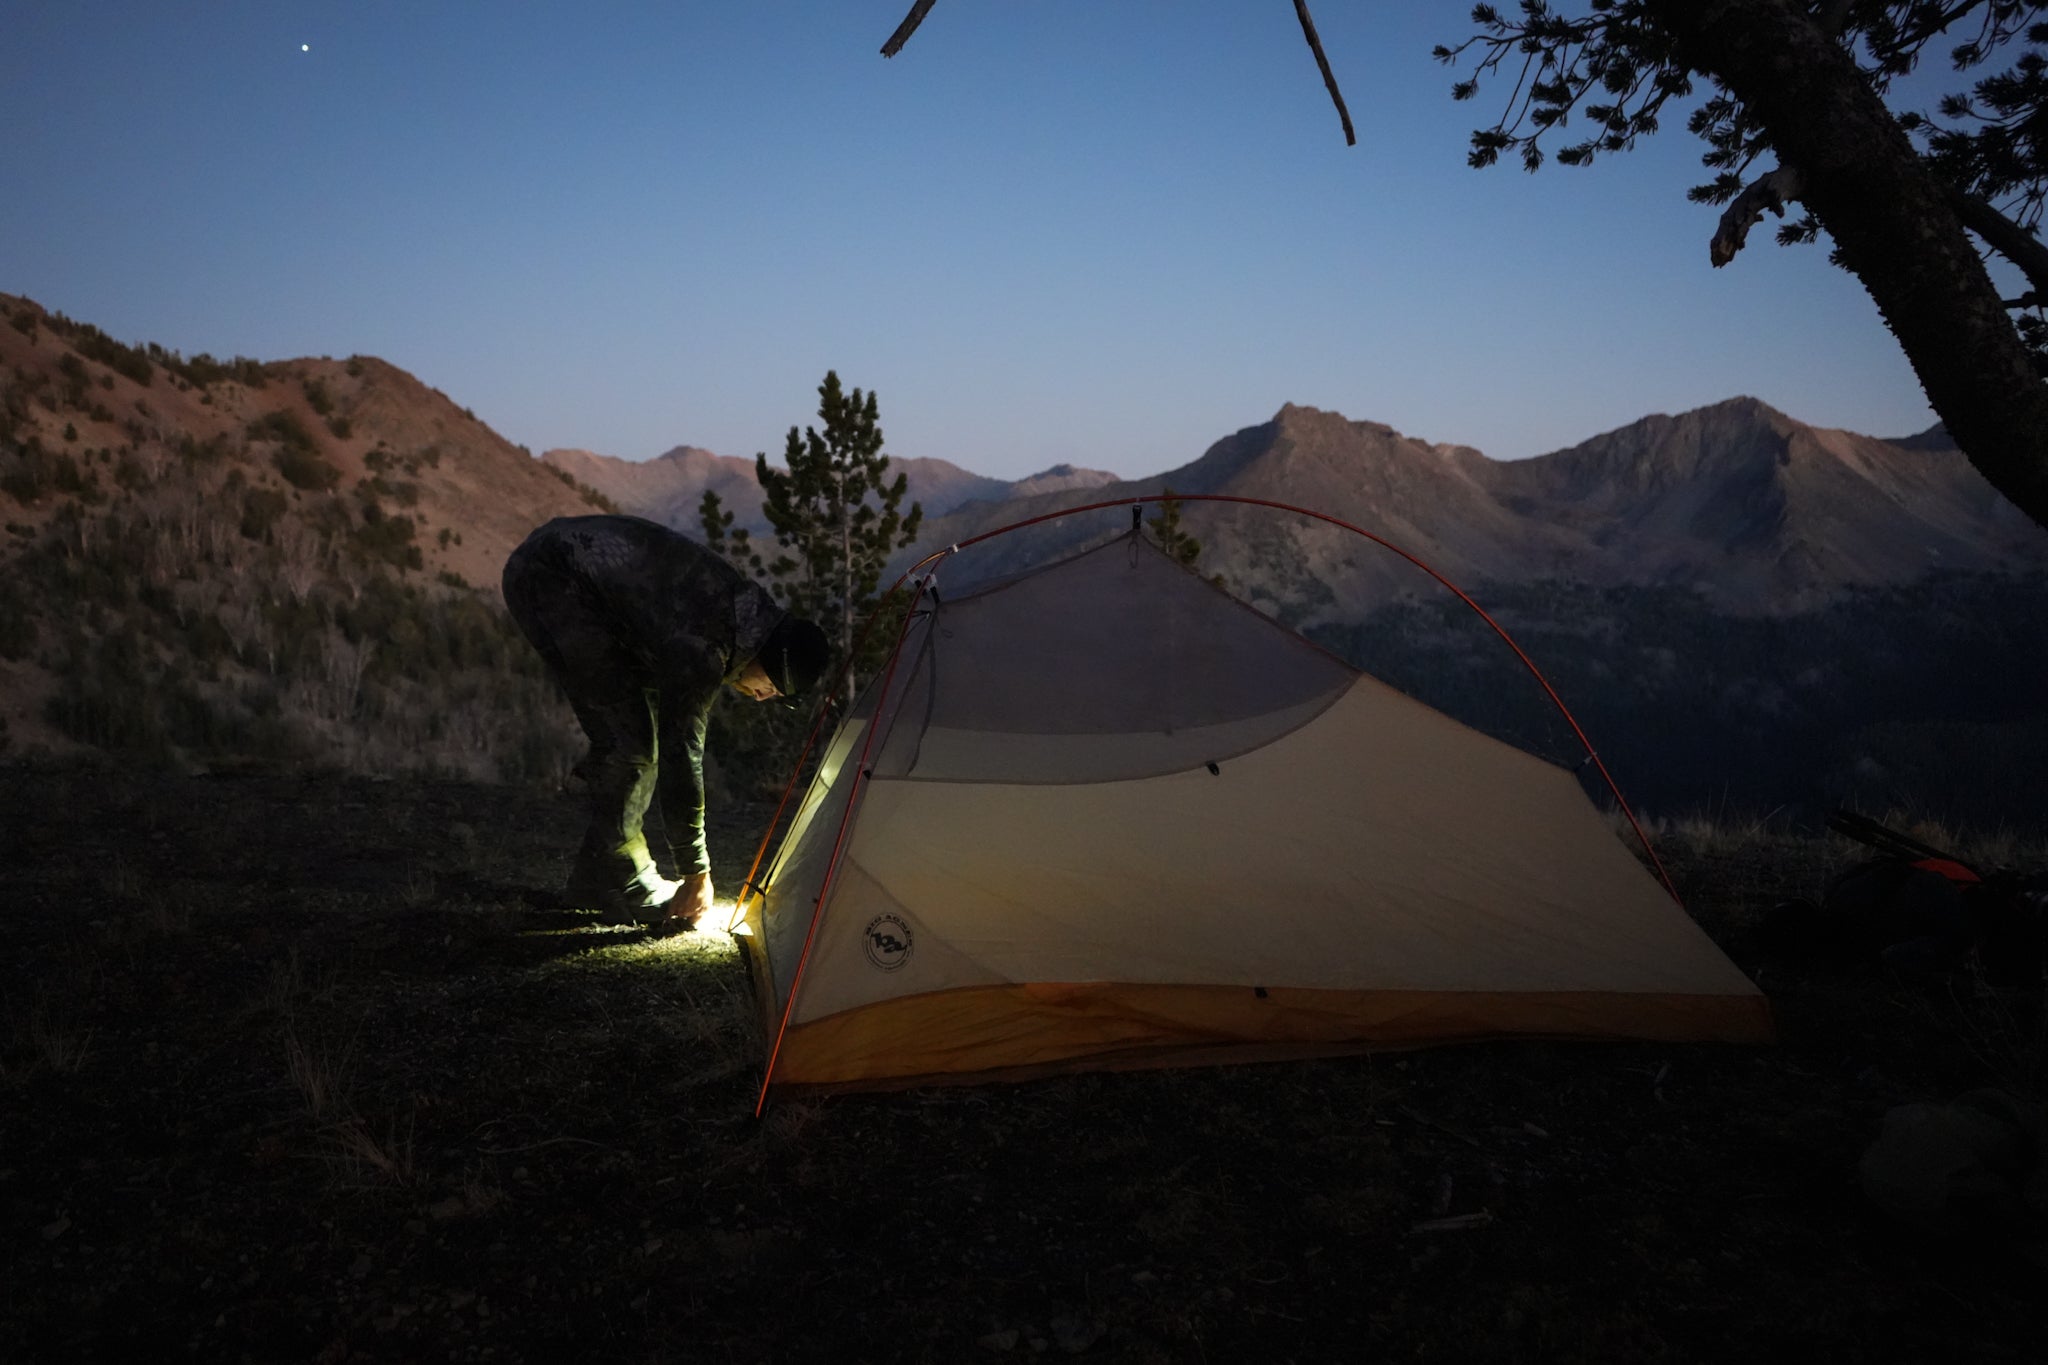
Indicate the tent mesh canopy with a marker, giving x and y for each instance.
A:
(1113, 816)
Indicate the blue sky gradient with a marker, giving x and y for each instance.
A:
(1051, 230)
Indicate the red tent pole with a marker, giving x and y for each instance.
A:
(1555, 700)
(860, 774)
(824, 709)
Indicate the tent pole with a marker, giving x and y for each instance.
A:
(1134, 503)
(750, 887)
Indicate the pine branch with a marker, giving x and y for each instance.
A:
(2005, 237)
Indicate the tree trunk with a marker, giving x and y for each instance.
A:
(1892, 222)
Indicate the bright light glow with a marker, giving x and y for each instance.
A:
(305, 47)
(727, 913)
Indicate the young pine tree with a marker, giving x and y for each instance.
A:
(837, 517)
(1168, 533)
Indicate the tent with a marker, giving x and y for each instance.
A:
(1103, 814)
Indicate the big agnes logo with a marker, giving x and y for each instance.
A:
(888, 942)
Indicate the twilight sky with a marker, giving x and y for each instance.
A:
(1050, 230)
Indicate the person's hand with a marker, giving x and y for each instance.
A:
(691, 903)
(753, 683)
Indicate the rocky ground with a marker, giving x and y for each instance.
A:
(317, 1069)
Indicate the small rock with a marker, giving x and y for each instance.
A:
(52, 1231)
(1005, 1340)
(1075, 1334)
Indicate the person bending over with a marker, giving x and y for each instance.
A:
(641, 626)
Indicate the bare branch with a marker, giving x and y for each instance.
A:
(1772, 190)
(907, 27)
(1308, 31)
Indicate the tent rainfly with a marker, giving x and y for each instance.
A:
(1105, 815)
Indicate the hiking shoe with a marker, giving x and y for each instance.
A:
(642, 899)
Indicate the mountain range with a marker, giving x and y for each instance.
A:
(295, 563)
(1759, 512)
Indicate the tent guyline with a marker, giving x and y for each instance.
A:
(1103, 672)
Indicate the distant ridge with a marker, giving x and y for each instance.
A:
(670, 488)
(1758, 511)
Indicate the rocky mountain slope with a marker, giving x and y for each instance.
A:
(296, 560)
(1757, 511)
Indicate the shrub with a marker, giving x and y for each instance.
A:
(105, 699)
(203, 370)
(283, 427)
(37, 471)
(123, 360)
(17, 630)
(305, 469)
(404, 492)
(582, 490)
(261, 507)
(76, 380)
(388, 539)
(197, 451)
(317, 397)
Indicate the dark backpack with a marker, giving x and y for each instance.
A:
(1920, 911)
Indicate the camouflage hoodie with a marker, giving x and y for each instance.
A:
(687, 617)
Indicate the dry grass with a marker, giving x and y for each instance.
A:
(362, 1160)
(320, 1075)
(448, 1118)
(60, 1044)
(2004, 1029)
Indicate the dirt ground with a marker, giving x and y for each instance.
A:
(317, 1069)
